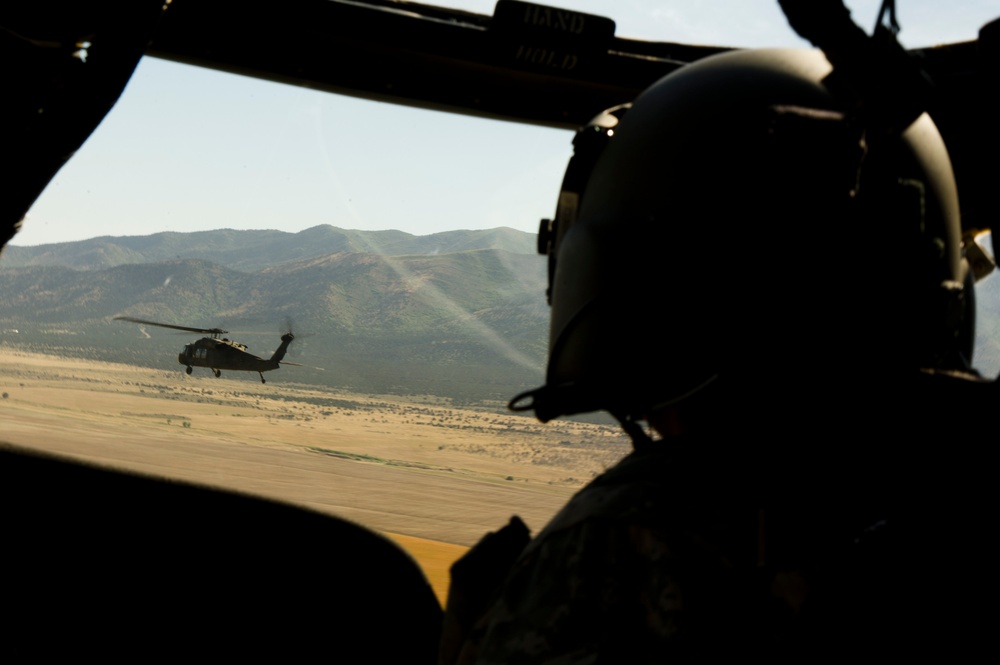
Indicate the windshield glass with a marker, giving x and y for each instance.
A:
(394, 245)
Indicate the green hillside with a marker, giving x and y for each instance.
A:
(470, 325)
(254, 250)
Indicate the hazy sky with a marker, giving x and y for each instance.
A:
(190, 149)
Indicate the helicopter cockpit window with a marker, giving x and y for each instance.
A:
(400, 255)
(395, 245)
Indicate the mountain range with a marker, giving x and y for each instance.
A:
(249, 251)
(459, 314)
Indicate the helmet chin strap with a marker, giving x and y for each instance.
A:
(683, 396)
(640, 438)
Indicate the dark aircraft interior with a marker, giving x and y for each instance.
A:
(116, 571)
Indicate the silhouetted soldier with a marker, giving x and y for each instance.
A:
(762, 260)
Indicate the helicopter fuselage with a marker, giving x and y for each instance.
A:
(223, 354)
(218, 354)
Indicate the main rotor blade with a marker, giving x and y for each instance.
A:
(207, 331)
(322, 369)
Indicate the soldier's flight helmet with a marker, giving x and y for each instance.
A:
(740, 224)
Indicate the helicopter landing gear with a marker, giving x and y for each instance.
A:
(218, 372)
(188, 370)
(262, 378)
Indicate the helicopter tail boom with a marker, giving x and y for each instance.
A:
(286, 339)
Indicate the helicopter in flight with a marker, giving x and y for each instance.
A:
(218, 353)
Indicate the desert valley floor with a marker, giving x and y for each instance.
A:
(433, 476)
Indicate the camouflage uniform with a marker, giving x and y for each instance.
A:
(659, 560)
